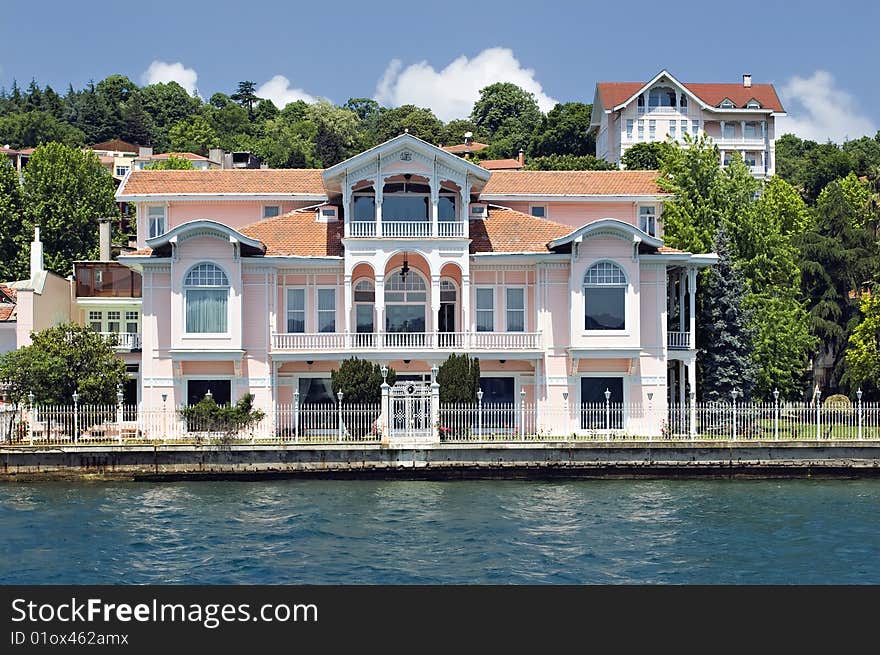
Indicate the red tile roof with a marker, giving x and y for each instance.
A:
(9, 292)
(506, 230)
(116, 145)
(297, 233)
(186, 155)
(616, 93)
(7, 302)
(574, 183)
(465, 147)
(257, 181)
(501, 164)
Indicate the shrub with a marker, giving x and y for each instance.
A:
(208, 416)
(459, 379)
(360, 380)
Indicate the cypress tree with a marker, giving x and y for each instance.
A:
(459, 379)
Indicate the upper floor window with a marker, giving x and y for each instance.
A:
(683, 101)
(629, 128)
(326, 310)
(727, 131)
(648, 220)
(485, 309)
(753, 104)
(446, 208)
(661, 96)
(364, 208)
(727, 103)
(155, 221)
(516, 309)
(296, 310)
(206, 288)
(271, 211)
(540, 211)
(121, 171)
(641, 130)
(605, 297)
(750, 131)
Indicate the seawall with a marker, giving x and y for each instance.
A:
(526, 460)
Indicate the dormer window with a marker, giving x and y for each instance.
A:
(753, 104)
(727, 103)
(661, 96)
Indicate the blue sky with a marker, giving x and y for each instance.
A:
(822, 57)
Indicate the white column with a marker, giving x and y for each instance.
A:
(692, 298)
(692, 380)
(681, 278)
(465, 323)
(379, 303)
(378, 214)
(435, 304)
(742, 127)
(347, 304)
(681, 384)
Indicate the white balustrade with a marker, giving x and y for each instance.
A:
(679, 340)
(125, 340)
(453, 229)
(408, 230)
(362, 229)
(472, 341)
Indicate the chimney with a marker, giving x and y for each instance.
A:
(747, 80)
(522, 157)
(216, 155)
(468, 138)
(145, 152)
(36, 253)
(104, 239)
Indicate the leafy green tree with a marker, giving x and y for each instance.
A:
(864, 153)
(10, 223)
(137, 126)
(568, 163)
(194, 134)
(452, 133)
(287, 145)
(36, 127)
(167, 104)
(691, 218)
(62, 360)
(265, 110)
(359, 380)
(645, 156)
(364, 108)
(725, 340)
(246, 95)
(390, 123)
(565, 130)
(65, 192)
(228, 122)
(505, 107)
(863, 348)
(839, 259)
(171, 163)
(336, 132)
(459, 379)
(810, 166)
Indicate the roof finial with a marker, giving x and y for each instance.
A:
(406, 130)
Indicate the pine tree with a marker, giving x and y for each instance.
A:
(724, 338)
(137, 126)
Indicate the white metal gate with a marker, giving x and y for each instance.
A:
(411, 410)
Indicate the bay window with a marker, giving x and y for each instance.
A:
(206, 290)
(605, 297)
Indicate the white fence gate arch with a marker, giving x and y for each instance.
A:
(411, 416)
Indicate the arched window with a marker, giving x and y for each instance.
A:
(406, 298)
(364, 300)
(683, 101)
(206, 288)
(661, 96)
(605, 297)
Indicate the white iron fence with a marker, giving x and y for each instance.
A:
(351, 423)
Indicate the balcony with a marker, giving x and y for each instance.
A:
(106, 280)
(755, 142)
(407, 230)
(678, 340)
(125, 341)
(404, 342)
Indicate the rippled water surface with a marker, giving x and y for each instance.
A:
(388, 532)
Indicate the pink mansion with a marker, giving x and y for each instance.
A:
(262, 281)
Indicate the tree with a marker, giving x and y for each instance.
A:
(863, 348)
(336, 132)
(194, 134)
(10, 223)
(459, 379)
(568, 163)
(207, 416)
(505, 106)
(246, 95)
(65, 192)
(390, 123)
(359, 380)
(839, 259)
(171, 163)
(565, 130)
(452, 133)
(62, 360)
(364, 108)
(864, 153)
(691, 218)
(167, 104)
(137, 126)
(724, 338)
(286, 145)
(810, 166)
(645, 156)
(94, 117)
(36, 127)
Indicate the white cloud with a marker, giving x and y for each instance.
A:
(818, 110)
(279, 92)
(163, 72)
(451, 93)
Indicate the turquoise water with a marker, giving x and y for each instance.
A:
(388, 532)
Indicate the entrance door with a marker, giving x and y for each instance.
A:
(411, 410)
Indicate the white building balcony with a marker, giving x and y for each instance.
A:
(405, 342)
(754, 142)
(678, 340)
(408, 230)
(124, 341)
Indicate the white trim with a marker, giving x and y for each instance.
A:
(208, 197)
(572, 197)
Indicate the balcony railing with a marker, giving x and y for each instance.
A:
(679, 340)
(407, 230)
(125, 340)
(106, 280)
(757, 142)
(405, 341)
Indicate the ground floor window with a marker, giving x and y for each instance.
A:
(221, 391)
(313, 391)
(593, 415)
(498, 403)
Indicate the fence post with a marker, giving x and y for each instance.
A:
(693, 417)
(435, 404)
(32, 417)
(339, 398)
(119, 412)
(296, 415)
(859, 396)
(733, 396)
(776, 415)
(385, 409)
(607, 414)
(817, 396)
(480, 414)
(75, 417)
(522, 414)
